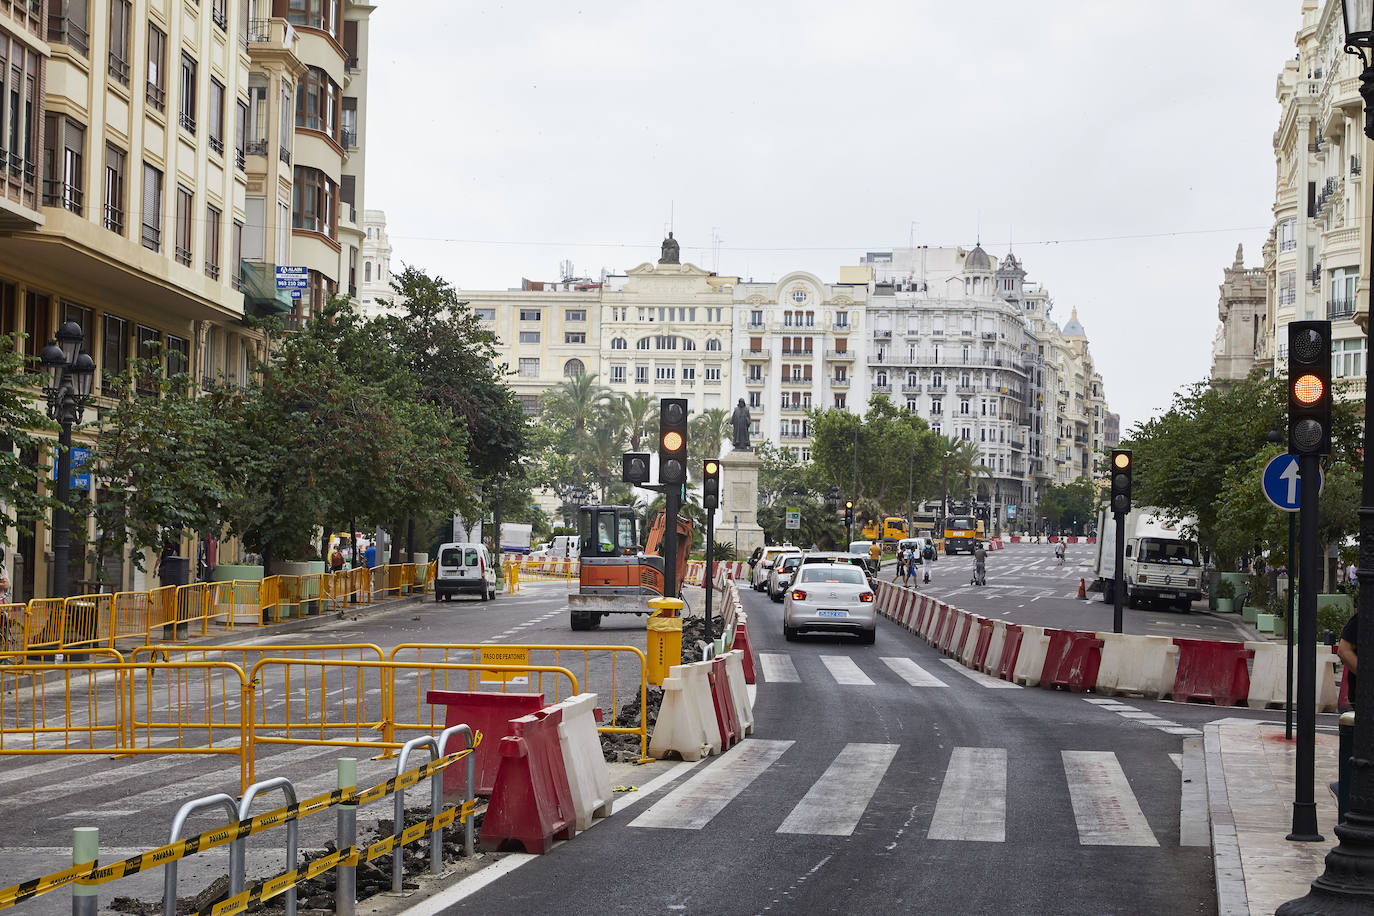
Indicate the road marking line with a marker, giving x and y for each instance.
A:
(1178, 760)
(1181, 730)
(913, 673)
(986, 680)
(845, 672)
(693, 804)
(778, 669)
(1193, 821)
(836, 802)
(1103, 804)
(973, 799)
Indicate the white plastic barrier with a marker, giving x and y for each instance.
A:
(954, 624)
(932, 620)
(910, 601)
(1143, 665)
(1030, 658)
(687, 720)
(1269, 677)
(994, 656)
(971, 644)
(739, 692)
(588, 775)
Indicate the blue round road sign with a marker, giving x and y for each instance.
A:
(1281, 482)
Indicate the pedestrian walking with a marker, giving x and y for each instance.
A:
(1059, 551)
(1348, 652)
(901, 564)
(336, 560)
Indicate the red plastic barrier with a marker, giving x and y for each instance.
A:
(1212, 671)
(742, 641)
(952, 620)
(724, 704)
(980, 648)
(1071, 660)
(956, 646)
(490, 714)
(908, 609)
(941, 610)
(531, 803)
(1343, 700)
(1011, 647)
(921, 605)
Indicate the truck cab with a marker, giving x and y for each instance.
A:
(1159, 565)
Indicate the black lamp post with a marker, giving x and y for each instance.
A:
(70, 377)
(1347, 884)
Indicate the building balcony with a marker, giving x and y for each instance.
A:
(882, 389)
(965, 389)
(748, 354)
(711, 382)
(790, 434)
(755, 381)
(845, 355)
(1339, 308)
(797, 381)
(798, 354)
(938, 388)
(789, 407)
(911, 388)
(839, 383)
(882, 335)
(752, 325)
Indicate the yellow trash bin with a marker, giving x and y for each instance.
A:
(664, 638)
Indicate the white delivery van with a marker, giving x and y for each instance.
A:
(464, 567)
(563, 547)
(1160, 564)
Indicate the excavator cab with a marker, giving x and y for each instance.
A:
(607, 531)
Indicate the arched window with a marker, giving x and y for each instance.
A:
(367, 271)
(573, 368)
(688, 343)
(642, 343)
(619, 343)
(713, 344)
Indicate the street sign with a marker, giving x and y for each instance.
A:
(1011, 512)
(80, 480)
(794, 518)
(1280, 482)
(503, 655)
(292, 277)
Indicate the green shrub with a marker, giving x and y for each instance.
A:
(1224, 589)
(1332, 617)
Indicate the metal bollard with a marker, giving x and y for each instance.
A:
(85, 848)
(346, 876)
(436, 836)
(169, 879)
(238, 850)
(1343, 774)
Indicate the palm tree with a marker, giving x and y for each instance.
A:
(711, 428)
(639, 415)
(961, 464)
(606, 444)
(577, 403)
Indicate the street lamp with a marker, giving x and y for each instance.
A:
(1347, 884)
(70, 377)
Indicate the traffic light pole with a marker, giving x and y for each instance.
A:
(1119, 578)
(710, 579)
(1304, 805)
(1292, 584)
(672, 504)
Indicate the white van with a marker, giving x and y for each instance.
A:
(563, 547)
(464, 567)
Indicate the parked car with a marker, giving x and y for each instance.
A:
(464, 567)
(831, 597)
(784, 567)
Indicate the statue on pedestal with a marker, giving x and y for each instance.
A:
(670, 251)
(739, 423)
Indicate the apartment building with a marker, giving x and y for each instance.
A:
(375, 288)
(1314, 264)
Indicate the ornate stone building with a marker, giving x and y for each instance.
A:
(1244, 329)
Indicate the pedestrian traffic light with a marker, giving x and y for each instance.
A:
(1121, 481)
(849, 512)
(672, 441)
(1309, 388)
(634, 468)
(710, 484)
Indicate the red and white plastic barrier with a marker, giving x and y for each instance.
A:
(588, 776)
(531, 803)
(686, 723)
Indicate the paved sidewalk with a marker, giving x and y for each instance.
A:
(1250, 793)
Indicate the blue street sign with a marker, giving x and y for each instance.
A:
(78, 481)
(292, 277)
(1281, 482)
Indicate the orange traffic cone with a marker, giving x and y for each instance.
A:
(1082, 590)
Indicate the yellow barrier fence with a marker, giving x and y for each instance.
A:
(544, 570)
(12, 627)
(622, 685)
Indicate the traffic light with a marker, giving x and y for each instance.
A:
(672, 441)
(1309, 388)
(710, 484)
(848, 512)
(634, 468)
(1121, 481)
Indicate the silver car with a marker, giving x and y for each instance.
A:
(781, 576)
(832, 598)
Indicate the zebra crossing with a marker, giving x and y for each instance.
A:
(972, 805)
(845, 671)
(1127, 711)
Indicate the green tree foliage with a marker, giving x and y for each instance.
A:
(22, 491)
(707, 431)
(1071, 505)
(895, 449)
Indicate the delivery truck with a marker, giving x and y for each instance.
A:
(1161, 564)
(515, 537)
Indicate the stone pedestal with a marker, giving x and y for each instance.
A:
(739, 502)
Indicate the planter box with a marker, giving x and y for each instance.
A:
(1277, 627)
(1265, 622)
(226, 572)
(1249, 614)
(1224, 605)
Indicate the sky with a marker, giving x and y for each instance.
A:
(1121, 150)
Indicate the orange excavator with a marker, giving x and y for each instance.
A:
(619, 575)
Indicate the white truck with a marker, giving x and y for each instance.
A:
(515, 537)
(1161, 565)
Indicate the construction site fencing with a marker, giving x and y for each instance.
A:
(625, 680)
(536, 569)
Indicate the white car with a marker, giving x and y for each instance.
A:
(832, 597)
(781, 576)
(464, 568)
(759, 575)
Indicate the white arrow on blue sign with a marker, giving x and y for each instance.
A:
(1280, 482)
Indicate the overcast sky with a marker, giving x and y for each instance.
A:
(1124, 150)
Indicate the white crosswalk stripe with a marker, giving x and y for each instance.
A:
(973, 799)
(778, 669)
(845, 672)
(692, 805)
(978, 677)
(1103, 803)
(836, 802)
(913, 673)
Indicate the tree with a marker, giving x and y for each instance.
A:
(708, 430)
(1069, 505)
(575, 407)
(897, 454)
(639, 417)
(961, 466)
(23, 484)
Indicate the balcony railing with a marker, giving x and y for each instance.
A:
(754, 380)
(62, 30)
(351, 63)
(755, 354)
(187, 122)
(255, 147)
(216, 145)
(240, 160)
(114, 219)
(882, 335)
(259, 31)
(118, 68)
(1288, 244)
(156, 96)
(218, 15)
(839, 383)
(212, 270)
(183, 256)
(349, 138)
(793, 354)
(882, 389)
(797, 380)
(911, 388)
(839, 354)
(57, 193)
(1339, 308)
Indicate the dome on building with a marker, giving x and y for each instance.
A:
(978, 261)
(1072, 328)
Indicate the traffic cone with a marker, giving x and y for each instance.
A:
(1082, 590)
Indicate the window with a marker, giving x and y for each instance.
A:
(841, 374)
(147, 346)
(882, 379)
(64, 143)
(367, 271)
(119, 41)
(1347, 358)
(937, 406)
(642, 343)
(212, 221)
(114, 350)
(963, 407)
(841, 319)
(178, 355)
(285, 132)
(183, 226)
(529, 337)
(317, 103)
(219, 13)
(156, 91)
(67, 24)
(86, 318)
(755, 400)
(574, 314)
(348, 124)
(689, 373)
(240, 133)
(236, 256)
(188, 93)
(574, 337)
(313, 199)
(114, 189)
(1288, 235)
(529, 368)
(1288, 287)
(531, 314)
(713, 345)
(641, 375)
(258, 111)
(573, 368)
(619, 343)
(665, 373)
(712, 373)
(315, 14)
(215, 116)
(1343, 283)
(617, 375)
(485, 314)
(839, 401)
(755, 373)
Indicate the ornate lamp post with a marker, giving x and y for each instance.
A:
(1347, 884)
(70, 377)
